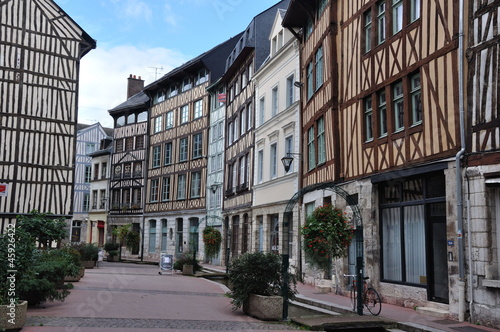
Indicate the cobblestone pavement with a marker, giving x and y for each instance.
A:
(132, 297)
(133, 323)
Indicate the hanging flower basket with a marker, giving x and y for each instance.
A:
(212, 240)
(327, 234)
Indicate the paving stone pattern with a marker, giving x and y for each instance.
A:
(154, 323)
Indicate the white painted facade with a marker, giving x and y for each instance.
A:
(277, 127)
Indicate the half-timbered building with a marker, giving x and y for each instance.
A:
(128, 161)
(88, 140)
(277, 135)
(40, 52)
(99, 192)
(178, 148)
(247, 56)
(481, 178)
(380, 118)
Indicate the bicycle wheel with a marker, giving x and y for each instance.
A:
(353, 297)
(372, 301)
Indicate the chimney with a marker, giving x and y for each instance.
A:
(134, 85)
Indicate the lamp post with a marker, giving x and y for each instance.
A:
(287, 163)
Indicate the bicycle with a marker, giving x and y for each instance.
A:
(371, 298)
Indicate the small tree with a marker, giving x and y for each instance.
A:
(121, 233)
(43, 227)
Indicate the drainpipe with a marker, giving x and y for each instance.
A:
(469, 246)
(461, 269)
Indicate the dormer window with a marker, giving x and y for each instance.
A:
(201, 76)
(172, 91)
(186, 84)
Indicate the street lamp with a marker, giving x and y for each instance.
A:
(287, 160)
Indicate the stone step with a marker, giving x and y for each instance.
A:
(434, 312)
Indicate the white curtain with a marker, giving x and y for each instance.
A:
(414, 232)
(392, 244)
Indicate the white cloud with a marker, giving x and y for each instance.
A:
(104, 73)
(137, 9)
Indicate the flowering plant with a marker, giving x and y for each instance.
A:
(327, 234)
(212, 240)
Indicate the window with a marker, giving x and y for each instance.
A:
(404, 223)
(164, 235)
(309, 77)
(156, 156)
(183, 149)
(94, 199)
(181, 186)
(274, 233)
(219, 161)
(260, 166)
(119, 145)
(368, 30)
(321, 141)
(167, 160)
(262, 106)
(243, 171)
(165, 189)
(88, 174)
(290, 91)
(274, 106)
(104, 170)
(197, 146)
(414, 10)
(120, 121)
(157, 124)
(184, 114)
(90, 148)
(169, 120)
(319, 68)
(230, 130)
(249, 115)
(186, 84)
(273, 160)
(201, 76)
(129, 144)
(397, 91)
(180, 235)
(309, 26)
(382, 113)
(368, 119)
(416, 102)
(195, 184)
(139, 142)
(397, 16)
(311, 151)
(86, 202)
(153, 197)
(143, 116)
(96, 171)
(322, 6)
(152, 236)
(236, 128)
(103, 198)
(243, 120)
(198, 108)
(173, 91)
(381, 22)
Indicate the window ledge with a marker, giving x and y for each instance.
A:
(491, 283)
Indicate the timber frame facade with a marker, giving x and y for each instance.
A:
(482, 162)
(40, 52)
(177, 164)
(381, 82)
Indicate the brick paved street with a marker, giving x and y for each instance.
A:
(134, 297)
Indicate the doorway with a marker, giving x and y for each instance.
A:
(438, 289)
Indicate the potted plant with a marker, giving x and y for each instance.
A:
(212, 240)
(186, 264)
(112, 249)
(257, 282)
(327, 234)
(89, 254)
(76, 259)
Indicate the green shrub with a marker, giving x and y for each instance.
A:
(88, 251)
(187, 258)
(257, 273)
(111, 246)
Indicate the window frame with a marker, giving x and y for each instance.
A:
(184, 110)
(311, 149)
(197, 146)
(156, 156)
(183, 149)
(181, 186)
(368, 116)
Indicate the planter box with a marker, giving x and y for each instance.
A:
(187, 269)
(13, 317)
(88, 264)
(264, 307)
(112, 258)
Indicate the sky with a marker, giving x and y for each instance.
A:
(147, 38)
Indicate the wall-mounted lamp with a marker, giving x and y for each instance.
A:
(298, 84)
(287, 160)
(214, 187)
